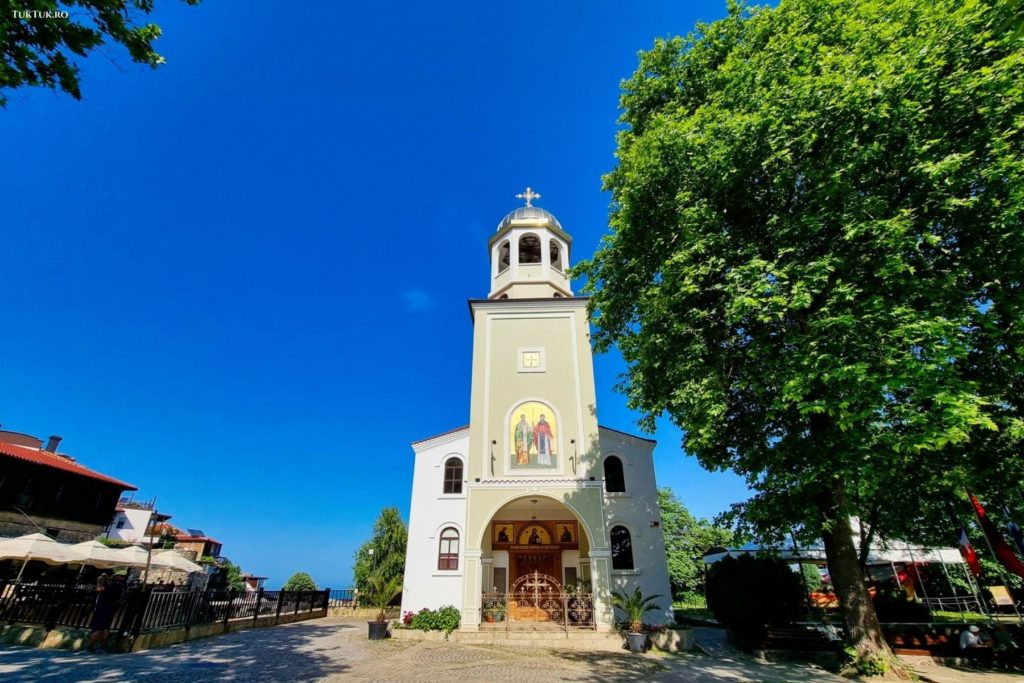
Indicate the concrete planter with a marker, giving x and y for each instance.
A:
(674, 640)
(378, 630)
(416, 634)
(636, 642)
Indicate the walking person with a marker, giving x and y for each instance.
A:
(108, 593)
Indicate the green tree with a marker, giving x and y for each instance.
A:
(388, 545)
(814, 265)
(300, 581)
(811, 576)
(40, 49)
(226, 576)
(687, 538)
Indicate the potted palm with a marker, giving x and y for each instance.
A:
(382, 591)
(634, 607)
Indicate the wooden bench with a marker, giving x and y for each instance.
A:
(799, 638)
(925, 644)
(943, 646)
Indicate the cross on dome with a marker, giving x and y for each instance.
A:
(529, 196)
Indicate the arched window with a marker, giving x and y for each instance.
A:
(556, 254)
(556, 295)
(614, 481)
(453, 476)
(622, 548)
(529, 249)
(504, 256)
(448, 553)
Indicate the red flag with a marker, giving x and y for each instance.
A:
(967, 550)
(999, 546)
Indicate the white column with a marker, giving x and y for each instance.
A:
(471, 583)
(601, 582)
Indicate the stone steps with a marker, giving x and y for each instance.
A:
(539, 638)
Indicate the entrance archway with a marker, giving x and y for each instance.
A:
(535, 534)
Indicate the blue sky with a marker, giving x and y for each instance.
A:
(203, 262)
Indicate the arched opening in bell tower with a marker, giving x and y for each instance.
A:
(529, 249)
(504, 256)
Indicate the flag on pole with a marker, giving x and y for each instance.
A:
(966, 549)
(1015, 532)
(999, 546)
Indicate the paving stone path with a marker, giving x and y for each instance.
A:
(337, 650)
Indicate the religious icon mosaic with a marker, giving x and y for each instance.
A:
(524, 535)
(533, 435)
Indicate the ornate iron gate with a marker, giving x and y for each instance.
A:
(535, 598)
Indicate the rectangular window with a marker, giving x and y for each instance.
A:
(120, 524)
(500, 579)
(570, 576)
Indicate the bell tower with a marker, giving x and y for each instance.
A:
(529, 254)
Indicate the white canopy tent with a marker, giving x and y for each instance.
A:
(880, 555)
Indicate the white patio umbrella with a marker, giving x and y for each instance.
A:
(171, 559)
(132, 556)
(95, 554)
(37, 547)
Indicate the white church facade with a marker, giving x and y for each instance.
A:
(533, 495)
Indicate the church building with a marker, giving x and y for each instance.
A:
(533, 511)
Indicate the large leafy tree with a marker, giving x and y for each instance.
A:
(300, 581)
(815, 260)
(687, 538)
(388, 544)
(40, 46)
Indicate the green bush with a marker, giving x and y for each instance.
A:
(747, 594)
(444, 619)
(299, 581)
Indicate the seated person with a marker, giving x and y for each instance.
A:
(974, 644)
(829, 630)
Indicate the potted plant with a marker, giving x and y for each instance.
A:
(634, 607)
(382, 592)
(493, 610)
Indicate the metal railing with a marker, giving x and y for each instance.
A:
(959, 603)
(343, 598)
(145, 609)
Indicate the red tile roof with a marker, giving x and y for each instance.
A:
(47, 459)
(450, 431)
(197, 539)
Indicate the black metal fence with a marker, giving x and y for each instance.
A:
(146, 609)
(344, 597)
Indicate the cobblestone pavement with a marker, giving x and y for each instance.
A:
(338, 650)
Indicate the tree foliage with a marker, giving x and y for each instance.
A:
(40, 48)
(388, 543)
(300, 581)
(226, 574)
(687, 538)
(815, 260)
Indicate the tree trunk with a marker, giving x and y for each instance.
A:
(863, 631)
